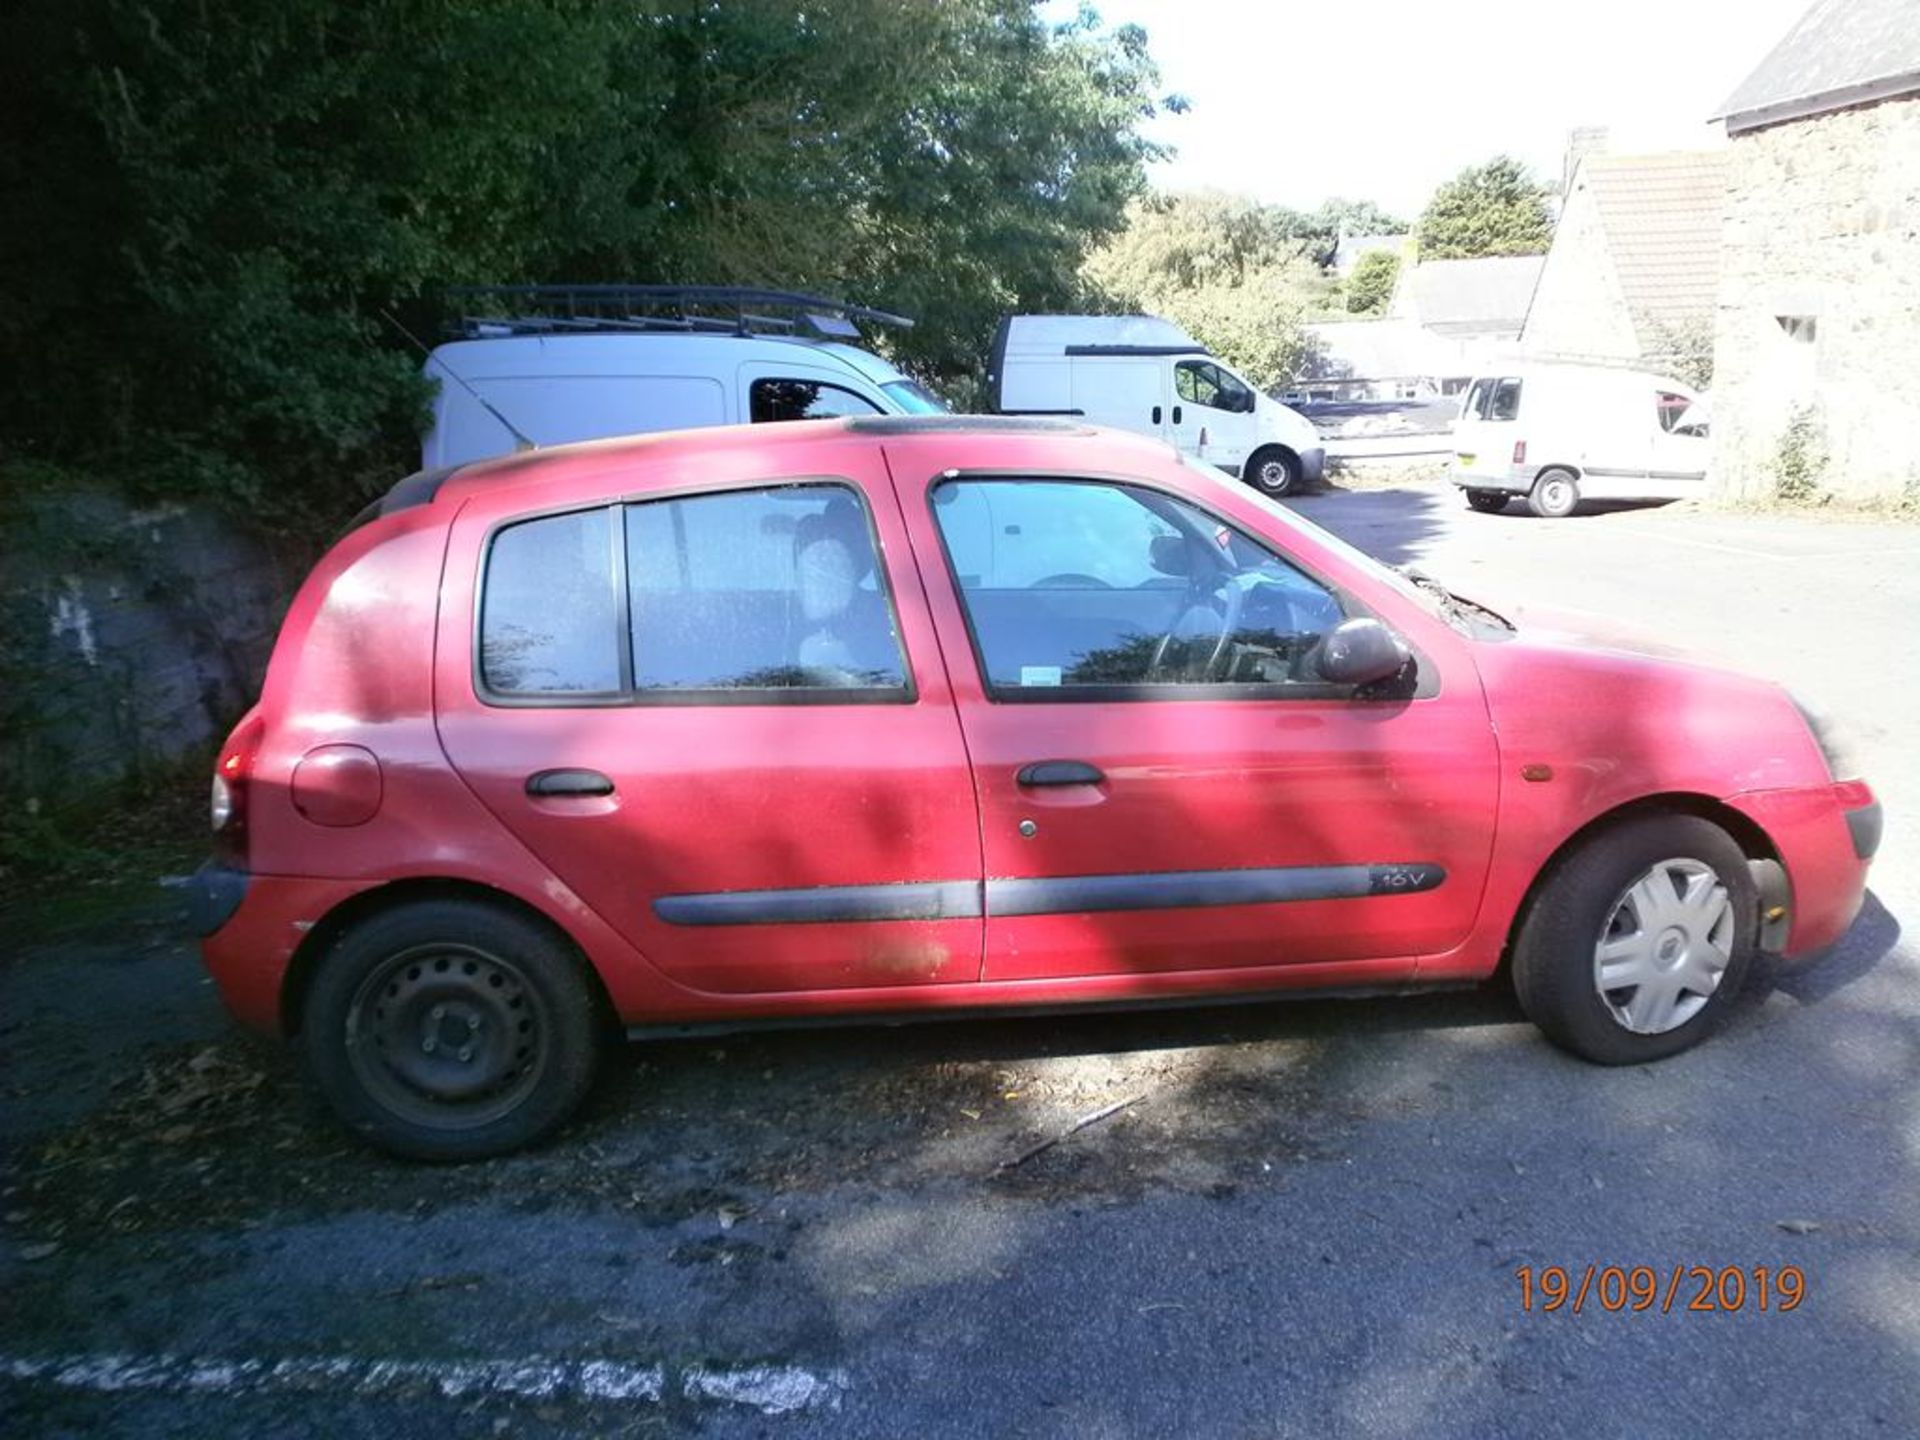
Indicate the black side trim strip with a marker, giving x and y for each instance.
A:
(934, 900)
(1070, 894)
(1184, 889)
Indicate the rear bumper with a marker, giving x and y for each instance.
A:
(249, 954)
(1826, 836)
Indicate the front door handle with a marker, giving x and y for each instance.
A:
(1060, 772)
(1156, 414)
(569, 784)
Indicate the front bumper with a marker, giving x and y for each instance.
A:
(1826, 836)
(1313, 465)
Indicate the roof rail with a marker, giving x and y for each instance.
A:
(708, 309)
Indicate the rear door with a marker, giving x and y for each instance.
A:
(1128, 392)
(715, 709)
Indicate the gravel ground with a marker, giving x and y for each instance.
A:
(1307, 1219)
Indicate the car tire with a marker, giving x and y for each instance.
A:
(1272, 471)
(1488, 502)
(1555, 494)
(451, 1029)
(1666, 897)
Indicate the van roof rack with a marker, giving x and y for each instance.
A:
(497, 310)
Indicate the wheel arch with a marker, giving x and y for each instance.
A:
(1763, 856)
(1576, 471)
(357, 909)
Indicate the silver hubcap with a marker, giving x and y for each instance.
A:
(1273, 474)
(1555, 494)
(1665, 946)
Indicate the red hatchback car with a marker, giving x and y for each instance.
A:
(924, 715)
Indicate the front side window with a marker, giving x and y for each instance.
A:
(1201, 382)
(772, 589)
(549, 619)
(774, 399)
(1073, 585)
(1668, 408)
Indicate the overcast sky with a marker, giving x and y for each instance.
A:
(1384, 99)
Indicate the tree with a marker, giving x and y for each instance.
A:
(1235, 274)
(1493, 209)
(1358, 217)
(1370, 286)
(213, 210)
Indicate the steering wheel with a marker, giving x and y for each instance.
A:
(1070, 580)
(1236, 588)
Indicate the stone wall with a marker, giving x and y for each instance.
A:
(1823, 225)
(129, 638)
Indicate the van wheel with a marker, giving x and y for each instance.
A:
(1555, 494)
(1638, 942)
(1488, 502)
(1272, 471)
(451, 1030)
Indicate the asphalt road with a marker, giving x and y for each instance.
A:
(1309, 1222)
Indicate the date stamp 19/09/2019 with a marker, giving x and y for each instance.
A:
(1637, 1289)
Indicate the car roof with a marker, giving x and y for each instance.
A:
(557, 474)
(515, 356)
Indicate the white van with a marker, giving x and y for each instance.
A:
(1560, 434)
(1145, 374)
(657, 364)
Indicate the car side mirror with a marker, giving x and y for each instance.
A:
(1169, 555)
(1361, 651)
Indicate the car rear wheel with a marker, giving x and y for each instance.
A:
(1488, 502)
(1555, 494)
(452, 1030)
(1273, 471)
(1638, 941)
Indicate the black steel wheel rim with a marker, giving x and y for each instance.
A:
(448, 1036)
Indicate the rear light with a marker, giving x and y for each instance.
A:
(232, 775)
(1519, 452)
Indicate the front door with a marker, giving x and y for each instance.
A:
(1213, 414)
(716, 711)
(1164, 784)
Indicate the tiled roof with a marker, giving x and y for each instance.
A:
(1662, 217)
(1471, 297)
(1840, 53)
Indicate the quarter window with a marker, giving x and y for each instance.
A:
(777, 399)
(1082, 586)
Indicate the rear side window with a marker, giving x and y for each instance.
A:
(775, 593)
(775, 589)
(775, 400)
(549, 622)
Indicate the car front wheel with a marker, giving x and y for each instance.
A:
(451, 1030)
(1638, 941)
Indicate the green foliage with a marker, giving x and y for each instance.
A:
(1493, 209)
(1682, 349)
(212, 209)
(1235, 274)
(1800, 459)
(1370, 286)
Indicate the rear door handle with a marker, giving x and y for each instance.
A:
(569, 784)
(1060, 772)
(1176, 414)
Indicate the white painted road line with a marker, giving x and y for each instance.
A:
(771, 1389)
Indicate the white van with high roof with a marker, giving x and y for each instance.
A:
(1146, 374)
(547, 365)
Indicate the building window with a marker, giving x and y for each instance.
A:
(1799, 328)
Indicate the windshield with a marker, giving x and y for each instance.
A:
(915, 399)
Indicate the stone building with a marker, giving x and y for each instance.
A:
(1633, 270)
(1817, 337)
